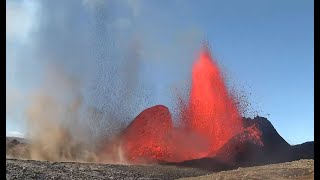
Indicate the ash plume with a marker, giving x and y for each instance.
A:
(54, 119)
(83, 64)
(86, 88)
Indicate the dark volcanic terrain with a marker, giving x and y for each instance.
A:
(29, 169)
(302, 169)
(244, 152)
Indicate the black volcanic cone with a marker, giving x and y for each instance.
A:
(243, 150)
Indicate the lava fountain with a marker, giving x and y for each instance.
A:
(209, 120)
(213, 113)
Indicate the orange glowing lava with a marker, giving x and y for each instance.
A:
(210, 120)
(213, 113)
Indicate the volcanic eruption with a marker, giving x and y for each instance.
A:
(210, 133)
(213, 113)
(208, 121)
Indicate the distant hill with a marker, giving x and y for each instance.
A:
(304, 150)
(19, 139)
(17, 147)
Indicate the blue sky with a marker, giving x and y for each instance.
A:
(265, 46)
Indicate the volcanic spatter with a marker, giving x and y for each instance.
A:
(213, 113)
(209, 120)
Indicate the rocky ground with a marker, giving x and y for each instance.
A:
(29, 169)
(302, 169)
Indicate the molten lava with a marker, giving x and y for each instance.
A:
(210, 120)
(213, 113)
(144, 139)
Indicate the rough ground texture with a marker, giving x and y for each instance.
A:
(302, 169)
(29, 169)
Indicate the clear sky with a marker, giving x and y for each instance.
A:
(266, 46)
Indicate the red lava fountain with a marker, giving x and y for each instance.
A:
(212, 111)
(209, 121)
